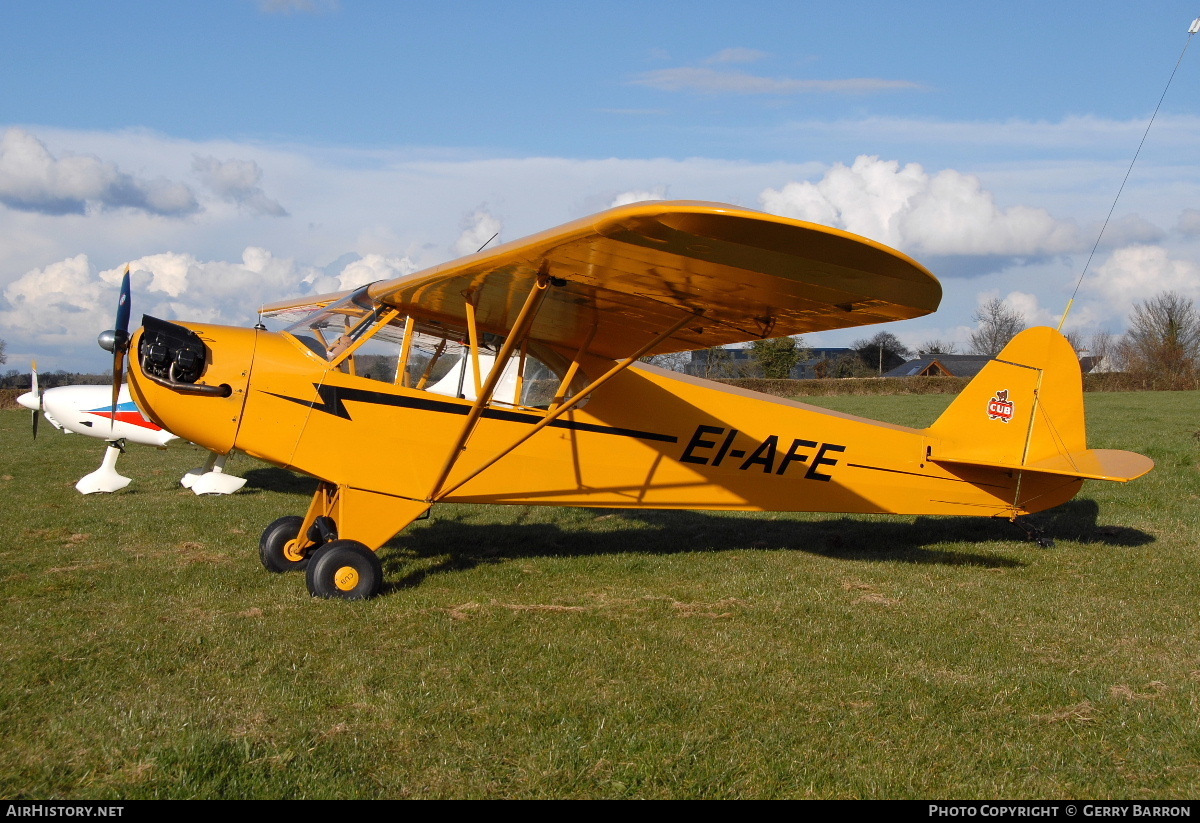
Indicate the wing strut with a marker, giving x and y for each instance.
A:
(558, 412)
(484, 395)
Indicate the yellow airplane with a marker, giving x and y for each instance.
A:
(513, 376)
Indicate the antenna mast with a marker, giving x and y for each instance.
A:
(1193, 29)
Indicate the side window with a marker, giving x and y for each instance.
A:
(378, 358)
(440, 362)
(539, 383)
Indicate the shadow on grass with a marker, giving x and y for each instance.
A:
(273, 479)
(464, 544)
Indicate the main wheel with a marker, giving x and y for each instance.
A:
(344, 569)
(277, 546)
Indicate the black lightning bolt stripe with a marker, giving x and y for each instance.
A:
(333, 401)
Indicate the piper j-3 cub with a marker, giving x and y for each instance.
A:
(512, 376)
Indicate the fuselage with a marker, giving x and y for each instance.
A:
(88, 410)
(648, 438)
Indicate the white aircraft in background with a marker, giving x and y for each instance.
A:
(89, 410)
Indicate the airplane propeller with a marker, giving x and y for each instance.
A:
(116, 339)
(37, 397)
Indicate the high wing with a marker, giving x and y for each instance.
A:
(621, 277)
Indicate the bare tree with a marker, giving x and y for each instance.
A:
(997, 325)
(675, 361)
(718, 363)
(936, 347)
(3, 356)
(1163, 341)
(1101, 348)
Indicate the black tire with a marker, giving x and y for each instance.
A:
(274, 540)
(346, 570)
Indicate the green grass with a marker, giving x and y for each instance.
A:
(525, 652)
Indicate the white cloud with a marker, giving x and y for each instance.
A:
(1131, 229)
(736, 55)
(479, 228)
(68, 303)
(948, 213)
(1137, 273)
(374, 267)
(361, 215)
(1189, 223)
(237, 181)
(713, 81)
(638, 196)
(32, 179)
(60, 304)
(1027, 305)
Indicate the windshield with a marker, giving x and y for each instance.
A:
(328, 331)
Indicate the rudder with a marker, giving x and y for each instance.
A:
(1024, 410)
(1026, 405)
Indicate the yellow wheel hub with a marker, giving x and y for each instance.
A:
(292, 551)
(346, 578)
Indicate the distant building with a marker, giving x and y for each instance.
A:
(941, 365)
(962, 365)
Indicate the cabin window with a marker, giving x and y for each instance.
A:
(437, 359)
(378, 357)
(440, 362)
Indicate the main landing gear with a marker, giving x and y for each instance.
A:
(344, 569)
(334, 566)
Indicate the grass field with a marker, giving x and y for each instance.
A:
(534, 653)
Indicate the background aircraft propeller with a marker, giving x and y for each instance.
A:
(37, 397)
(116, 340)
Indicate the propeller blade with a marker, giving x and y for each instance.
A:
(123, 307)
(120, 343)
(118, 367)
(37, 396)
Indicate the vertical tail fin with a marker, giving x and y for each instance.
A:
(1024, 410)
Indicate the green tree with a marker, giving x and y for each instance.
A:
(776, 357)
(881, 353)
(848, 365)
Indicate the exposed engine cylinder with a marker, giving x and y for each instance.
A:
(170, 352)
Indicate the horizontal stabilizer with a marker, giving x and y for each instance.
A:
(1090, 464)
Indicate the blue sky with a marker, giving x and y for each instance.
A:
(245, 151)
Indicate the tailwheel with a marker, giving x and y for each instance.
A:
(279, 547)
(344, 569)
